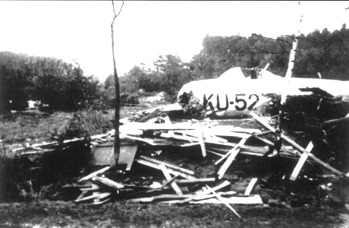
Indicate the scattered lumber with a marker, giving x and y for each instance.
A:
(170, 180)
(223, 201)
(107, 182)
(220, 138)
(301, 162)
(232, 154)
(187, 171)
(159, 167)
(243, 200)
(298, 147)
(91, 175)
(250, 186)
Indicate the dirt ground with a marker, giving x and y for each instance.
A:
(124, 214)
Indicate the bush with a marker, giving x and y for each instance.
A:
(85, 124)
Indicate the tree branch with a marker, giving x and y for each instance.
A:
(117, 87)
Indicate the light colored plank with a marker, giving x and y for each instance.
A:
(250, 186)
(301, 162)
(168, 178)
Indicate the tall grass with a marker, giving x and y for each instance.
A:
(87, 123)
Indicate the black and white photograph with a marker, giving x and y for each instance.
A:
(174, 114)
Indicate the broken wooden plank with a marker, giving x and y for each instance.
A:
(301, 162)
(156, 166)
(168, 182)
(99, 201)
(195, 181)
(187, 171)
(243, 200)
(168, 178)
(297, 146)
(159, 198)
(161, 126)
(93, 187)
(204, 192)
(178, 137)
(266, 141)
(150, 141)
(228, 162)
(222, 200)
(208, 136)
(201, 139)
(231, 157)
(250, 186)
(108, 182)
(94, 174)
(94, 195)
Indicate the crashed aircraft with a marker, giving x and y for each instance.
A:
(238, 91)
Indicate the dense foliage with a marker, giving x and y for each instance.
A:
(58, 84)
(318, 52)
(65, 87)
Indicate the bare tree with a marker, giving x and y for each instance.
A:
(117, 86)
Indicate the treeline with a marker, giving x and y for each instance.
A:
(322, 52)
(59, 85)
(65, 87)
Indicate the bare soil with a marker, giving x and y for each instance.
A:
(123, 214)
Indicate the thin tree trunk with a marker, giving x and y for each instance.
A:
(117, 88)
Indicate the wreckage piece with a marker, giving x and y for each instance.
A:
(266, 141)
(204, 192)
(174, 167)
(222, 200)
(228, 162)
(193, 136)
(88, 177)
(243, 200)
(196, 181)
(150, 141)
(94, 195)
(92, 187)
(170, 170)
(170, 180)
(107, 182)
(178, 137)
(250, 186)
(234, 95)
(163, 197)
(160, 126)
(201, 139)
(242, 141)
(99, 201)
(301, 162)
(297, 146)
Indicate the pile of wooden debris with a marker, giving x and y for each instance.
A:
(213, 156)
(221, 143)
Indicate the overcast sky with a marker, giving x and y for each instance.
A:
(144, 30)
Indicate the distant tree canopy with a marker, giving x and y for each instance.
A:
(318, 52)
(61, 85)
(65, 87)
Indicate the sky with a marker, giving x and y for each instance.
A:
(80, 31)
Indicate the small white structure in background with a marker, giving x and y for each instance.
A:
(33, 105)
